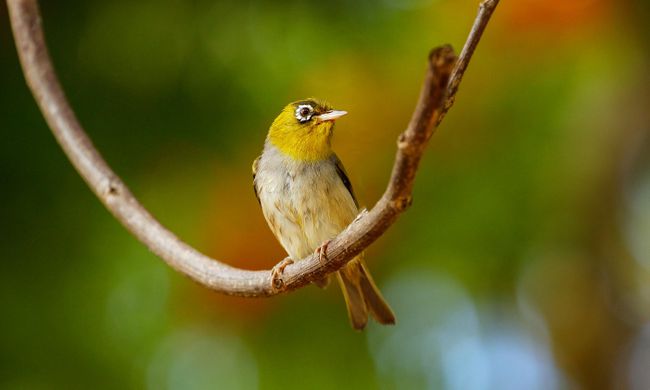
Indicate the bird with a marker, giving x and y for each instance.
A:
(307, 199)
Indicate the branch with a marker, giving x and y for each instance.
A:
(485, 11)
(443, 75)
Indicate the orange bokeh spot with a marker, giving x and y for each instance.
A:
(553, 15)
(236, 233)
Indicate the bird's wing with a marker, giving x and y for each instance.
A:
(256, 162)
(344, 177)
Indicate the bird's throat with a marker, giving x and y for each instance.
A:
(312, 145)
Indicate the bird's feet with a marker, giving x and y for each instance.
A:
(361, 214)
(277, 271)
(321, 251)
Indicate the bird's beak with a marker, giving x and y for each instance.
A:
(331, 115)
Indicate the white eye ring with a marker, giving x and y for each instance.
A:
(304, 117)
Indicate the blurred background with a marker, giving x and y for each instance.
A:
(524, 262)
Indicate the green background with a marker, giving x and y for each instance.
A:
(524, 262)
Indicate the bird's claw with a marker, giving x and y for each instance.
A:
(277, 271)
(321, 251)
(361, 214)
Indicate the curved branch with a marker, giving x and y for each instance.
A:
(442, 78)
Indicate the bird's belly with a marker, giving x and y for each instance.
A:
(306, 210)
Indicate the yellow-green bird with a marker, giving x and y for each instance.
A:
(307, 199)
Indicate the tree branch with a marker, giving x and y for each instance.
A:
(441, 82)
(485, 11)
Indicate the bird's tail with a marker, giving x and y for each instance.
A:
(362, 296)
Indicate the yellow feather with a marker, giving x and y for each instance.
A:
(302, 141)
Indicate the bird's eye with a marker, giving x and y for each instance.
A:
(304, 112)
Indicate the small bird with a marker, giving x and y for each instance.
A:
(307, 199)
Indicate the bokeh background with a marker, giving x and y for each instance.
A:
(524, 262)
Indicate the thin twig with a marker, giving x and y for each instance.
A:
(442, 78)
(485, 11)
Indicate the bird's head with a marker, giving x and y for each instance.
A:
(303, 130)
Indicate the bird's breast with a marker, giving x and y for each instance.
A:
(304, 204)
